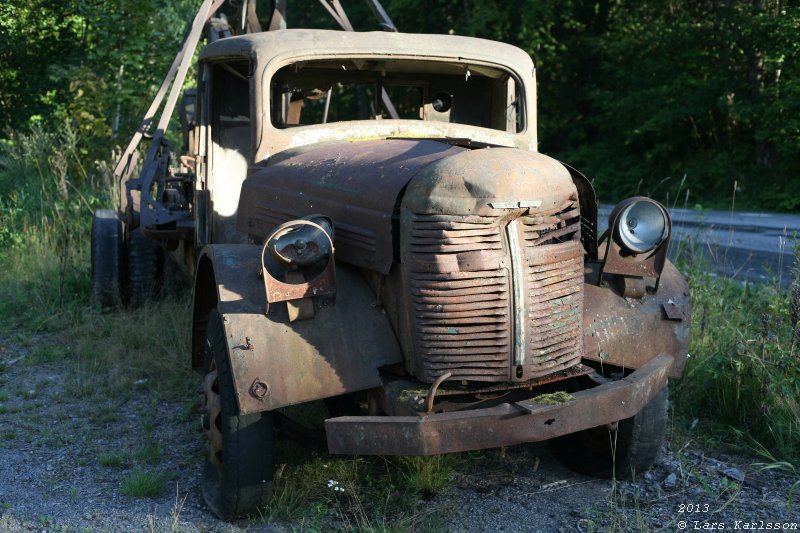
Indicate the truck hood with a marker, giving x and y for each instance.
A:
(360, 186)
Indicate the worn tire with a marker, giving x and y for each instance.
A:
(106, 259)
(145, 260)
(638, 441)
(173, 280)
(240, 484)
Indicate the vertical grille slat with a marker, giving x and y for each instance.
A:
(463, 320)
(555, 296)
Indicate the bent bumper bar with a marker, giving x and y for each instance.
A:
(502, 425)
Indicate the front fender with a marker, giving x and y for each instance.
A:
(627, 332)
(276, 363)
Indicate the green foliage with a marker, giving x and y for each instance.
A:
(744, 364)
(697, 89)
(630, 92)
(784, 467)
(93, 65)
(143, 485)
(366, 493)
(44, 278)
(633, 93)
(46, 217)
(111, 460)
(427, 475)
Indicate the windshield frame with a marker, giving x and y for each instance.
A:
(270, 139)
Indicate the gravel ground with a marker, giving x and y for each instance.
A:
(65, 456)
(687, 490)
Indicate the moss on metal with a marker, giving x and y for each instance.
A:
(555, 398)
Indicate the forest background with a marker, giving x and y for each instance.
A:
(637, 94)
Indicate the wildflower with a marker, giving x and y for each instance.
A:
(333, 484)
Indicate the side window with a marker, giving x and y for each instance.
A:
(231, 108)
(231, 147)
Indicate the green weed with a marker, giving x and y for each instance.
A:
(104, 415)
(367, 494)
(150, 452)
(427, 475)
(148, 345)
(112, 460)
(615, 516)
(29, 394)
(45, 215)
(45, 353)
(785, 467)
(143, 485)
(311, 483)
(177, 509)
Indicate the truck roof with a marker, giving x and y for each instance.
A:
(273, 50)
(316, 43)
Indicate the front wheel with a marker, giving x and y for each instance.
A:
(237, 479)
(622, 453)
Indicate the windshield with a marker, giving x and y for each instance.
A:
(335, 90)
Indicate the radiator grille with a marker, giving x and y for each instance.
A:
(555, 291)
(462, 301)
(460, 317)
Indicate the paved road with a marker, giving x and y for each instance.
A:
(751, 246)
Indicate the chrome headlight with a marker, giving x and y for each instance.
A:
(642, 224)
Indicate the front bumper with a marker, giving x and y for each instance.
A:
(502, 425)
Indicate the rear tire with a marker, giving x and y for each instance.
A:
(106, 259)
(630, 450)
(174, 282)
(237, 479)
(145, 260)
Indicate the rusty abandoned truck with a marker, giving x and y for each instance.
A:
(366, 216)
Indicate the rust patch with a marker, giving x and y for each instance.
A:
(330, 177)
(629, 332)
(503, 425)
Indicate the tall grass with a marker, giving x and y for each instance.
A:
(359, 494)
(46, 206)
(742, 379)
(47, 199)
